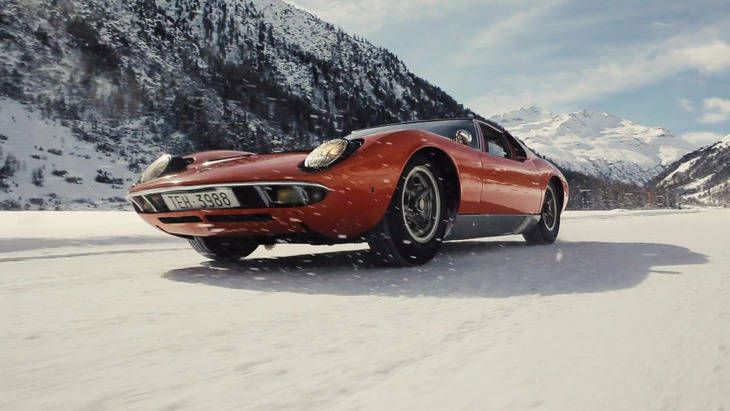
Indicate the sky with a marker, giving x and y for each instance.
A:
(660, 63)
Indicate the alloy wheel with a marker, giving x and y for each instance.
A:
(421, 204)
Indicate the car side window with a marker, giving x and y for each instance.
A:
(449, 129)
(495, 143)
(519, 152)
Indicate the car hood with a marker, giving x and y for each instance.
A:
(243, 168)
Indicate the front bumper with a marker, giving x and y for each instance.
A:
(338, 216)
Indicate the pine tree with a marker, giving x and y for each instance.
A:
(38, 178)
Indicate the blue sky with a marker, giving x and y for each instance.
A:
(660, 63)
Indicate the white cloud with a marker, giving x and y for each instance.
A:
(711, 57)
(717, 110)
(513, 32)
(686, 105)
(701, 138)
(365, 17)
(626, 70)
(507, 27)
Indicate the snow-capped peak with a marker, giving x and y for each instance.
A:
(523, 115)
(596, 143)
(725, 142)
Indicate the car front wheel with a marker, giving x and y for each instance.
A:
(223, 248)
(412, 230)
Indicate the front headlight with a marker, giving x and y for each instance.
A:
(155, 169)
(326, 154)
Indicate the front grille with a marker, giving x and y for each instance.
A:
(239, 218)
(180, 220)
(250, 197)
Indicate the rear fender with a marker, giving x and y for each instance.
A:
(548, 171)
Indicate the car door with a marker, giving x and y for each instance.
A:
(510, 179)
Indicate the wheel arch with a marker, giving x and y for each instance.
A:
(558, 183)
(390, 154)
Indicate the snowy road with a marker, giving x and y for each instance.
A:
(629, 310)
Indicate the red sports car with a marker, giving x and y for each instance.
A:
(403, 188)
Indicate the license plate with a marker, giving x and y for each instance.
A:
(209, 199)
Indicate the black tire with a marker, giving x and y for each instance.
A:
(412, 229)
(223, 248)
(546, 230)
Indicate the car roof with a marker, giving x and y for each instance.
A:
(490, 122)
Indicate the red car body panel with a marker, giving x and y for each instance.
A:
(360, 187)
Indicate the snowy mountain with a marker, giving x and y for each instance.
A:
(595, 143)
(93, 90)
(702, 176)
(109, 84)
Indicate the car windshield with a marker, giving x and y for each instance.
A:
(446, 128)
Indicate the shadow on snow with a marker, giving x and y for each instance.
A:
(29, 244)
(462, 269)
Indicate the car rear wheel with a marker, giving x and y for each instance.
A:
(546, 230)
(223, 248)
(412, 230)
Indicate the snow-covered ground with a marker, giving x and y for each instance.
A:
(628, 310)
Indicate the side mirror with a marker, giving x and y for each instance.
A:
(463, 137)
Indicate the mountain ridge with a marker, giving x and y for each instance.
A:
(132, 79)
(700, 177)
